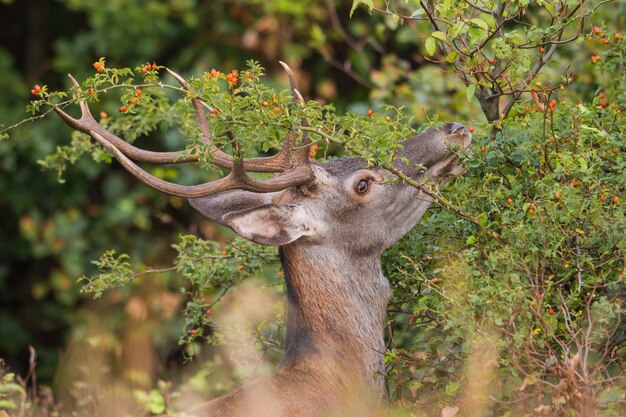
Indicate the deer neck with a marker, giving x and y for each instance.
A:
(336, 310)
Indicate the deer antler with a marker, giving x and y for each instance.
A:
(292, 164)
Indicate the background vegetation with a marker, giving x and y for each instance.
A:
(507, 298)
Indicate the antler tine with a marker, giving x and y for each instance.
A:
(302, 154)
(297, 97)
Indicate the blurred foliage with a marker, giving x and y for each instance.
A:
(515, 312)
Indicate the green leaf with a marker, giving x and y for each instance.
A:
(480, 23)
(367, 3)
(469, 93)
(439, 35)
(430, 46)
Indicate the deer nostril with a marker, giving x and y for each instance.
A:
(455, 127)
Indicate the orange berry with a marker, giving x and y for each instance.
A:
(615, 200)
(542, 50)
(502, 116)
(103, 115)
(491, 61)
(123, 109)
(133, 100)
(154, 66)
(223, 253)
(602, 198)
(602, 35)
(510, 201)
(388, 118)
(575, 183)
(139, 92)
(194, 331)
(144, 69)
(551, 312)
(91, 92)
(595, 58)
(370, 112)
(213, 115)
(311, 154)
(531, 211)
(483, 149)
(240, 268)
(471, 129)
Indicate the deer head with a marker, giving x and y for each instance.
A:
(331, 221)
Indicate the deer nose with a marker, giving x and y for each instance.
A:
(457, 134)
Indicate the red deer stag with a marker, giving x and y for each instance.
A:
(331, 222)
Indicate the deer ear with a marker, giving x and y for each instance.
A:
(274, 225)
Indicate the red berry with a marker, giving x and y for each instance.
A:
(602, 198)
(602, 35)
(33, 92)
(139, 92)
(471, 129)
(596, 30)
(606, 41)
(602, 103)
(370, 112)
(510, 201)
(483, 149)
(194, 331)
(542, 50)
(123, 109)
(595, 59)
(491, 61)
(240, 268)
(37, 88)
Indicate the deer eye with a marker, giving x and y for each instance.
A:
(362, 187)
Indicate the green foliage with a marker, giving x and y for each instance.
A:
(10, 391)
(547, 293)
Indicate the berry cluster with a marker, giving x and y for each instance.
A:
(99, 66)
(232, 77)
(149, 67)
